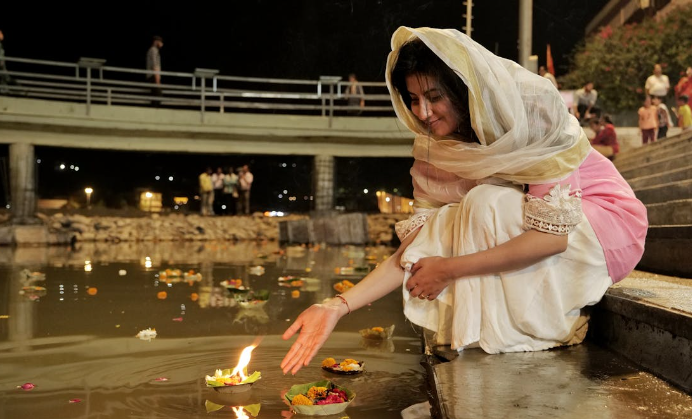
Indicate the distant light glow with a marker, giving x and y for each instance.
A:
(149, 195)
(273, 214)
(281, 196)
(365, 191)
(387, 199)
(38, 161)
(223, 207)
(157, 177)
(170, 178)
(87, 266)
(72, 166)
(76, 168)
(62, 167)
(147, 262)
(176, 207)
(88, 190)
(285, 191)
(294, 165)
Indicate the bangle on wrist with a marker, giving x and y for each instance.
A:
(343, 300)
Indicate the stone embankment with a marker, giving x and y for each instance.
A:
(61, 229)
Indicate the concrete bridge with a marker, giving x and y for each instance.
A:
(25, 123)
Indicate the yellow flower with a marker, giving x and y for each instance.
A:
(328, 362)
(349, 361)
(377, 329)
(317, 392)
(349, 364)
(301, 400)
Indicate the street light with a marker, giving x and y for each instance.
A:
(88, 192)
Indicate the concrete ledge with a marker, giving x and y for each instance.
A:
(583, 381)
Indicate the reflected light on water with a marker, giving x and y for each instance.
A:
(87, 266)
(147, 262)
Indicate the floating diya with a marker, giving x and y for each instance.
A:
(237, 380)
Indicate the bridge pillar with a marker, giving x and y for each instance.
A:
(23, 182)
(323, 176)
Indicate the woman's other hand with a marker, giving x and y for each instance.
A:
(429, 276)
(315, 324)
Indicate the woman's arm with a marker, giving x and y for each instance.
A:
(317, 322)
(431, 275)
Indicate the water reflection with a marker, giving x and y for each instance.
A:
(77, 339)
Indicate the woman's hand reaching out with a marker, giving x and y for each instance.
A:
(429, 276)
(315, 325)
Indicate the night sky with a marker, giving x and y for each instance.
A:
(257, 38)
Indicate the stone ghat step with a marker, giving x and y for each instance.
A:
(648, 324)
(669, 176)
(673, 191)
(654, 153)
(670, 213)
(667, 250)
(632, 156)
(658, 166)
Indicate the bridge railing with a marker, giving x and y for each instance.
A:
(90, 81)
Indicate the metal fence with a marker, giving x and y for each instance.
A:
(90, 81)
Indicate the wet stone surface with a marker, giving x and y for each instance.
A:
(76, 340)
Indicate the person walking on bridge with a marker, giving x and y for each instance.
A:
(154, 68)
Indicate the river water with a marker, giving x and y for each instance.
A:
(76, 341)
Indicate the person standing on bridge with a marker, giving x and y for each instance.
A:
(154, 68)
(355, 96)
(519, 223)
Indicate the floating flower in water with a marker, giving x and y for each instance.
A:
(348, 366)
(177, 319)
(75, 400)
(161, 379)
(319, 398)
(256, 270)
(92, 290)
(194, 296)
(295, 294)
(162, 295)
(343, 286)
(147, 334)
(27, 386)
(122, 272)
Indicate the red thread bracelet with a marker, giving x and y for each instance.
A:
(339, 296)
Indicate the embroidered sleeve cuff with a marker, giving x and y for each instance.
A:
(406, 227)
(556, 213)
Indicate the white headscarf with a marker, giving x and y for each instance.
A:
(526, 134)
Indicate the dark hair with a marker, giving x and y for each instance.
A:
(416, 58)
(158, 38)
(607, 119)
(684, 98)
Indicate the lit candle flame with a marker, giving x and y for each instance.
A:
(242, 364)
(239, 412)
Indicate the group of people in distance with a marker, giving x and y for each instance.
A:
(225, 193)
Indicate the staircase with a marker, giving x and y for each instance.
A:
(661, 176)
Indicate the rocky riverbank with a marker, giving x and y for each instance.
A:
(62, 229)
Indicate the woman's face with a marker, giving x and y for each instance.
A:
(431, 106)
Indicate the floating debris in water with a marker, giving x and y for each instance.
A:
(27, 386)
(122, 272)
(75, 400)
(178, 319)
(161, 379)
(4, 316)
(146, 334)
(256, 270)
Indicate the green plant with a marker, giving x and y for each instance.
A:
(619, 60)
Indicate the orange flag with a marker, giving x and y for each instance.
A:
(549, 61)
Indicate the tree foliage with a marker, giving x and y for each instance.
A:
(619, 60)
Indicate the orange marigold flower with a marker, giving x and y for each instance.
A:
(328, 362)
(377, 329)
(301, 400)
(317, 392)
